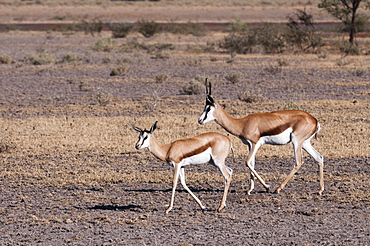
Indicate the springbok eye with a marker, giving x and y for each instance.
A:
(146, 137)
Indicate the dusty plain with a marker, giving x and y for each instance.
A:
(70, 175)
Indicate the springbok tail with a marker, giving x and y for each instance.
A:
(318, 128)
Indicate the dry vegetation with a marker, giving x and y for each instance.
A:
(69, 173)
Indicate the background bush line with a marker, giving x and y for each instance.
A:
(300, 34)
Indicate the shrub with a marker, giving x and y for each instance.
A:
(162, 55)
(95, 26)
(359, 72)
(71, 58)
(192, 62)
(162, 77)
(148, 28)
(349, 48)
(104, 45)
(250, 97)
(85, 86)
(118, 71)
(103, 98)
(237, 26)
(200, 78)
(238, 42)
(266, 39)
(106, 59)
(234, 77)
(41, 58)
(343, 62)
(193, 87)
(301, 33)
(121, 30)
(5, 60)
(273, 69)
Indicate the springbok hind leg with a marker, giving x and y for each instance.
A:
(227, 173)
(176, 174)
(320, 160)
(298, 158)
(182, 180)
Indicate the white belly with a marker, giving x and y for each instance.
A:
(201, 158)
(280, 139)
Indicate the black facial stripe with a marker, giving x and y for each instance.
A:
(208, 108)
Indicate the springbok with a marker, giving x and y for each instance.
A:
(275, 128)
(207, 147)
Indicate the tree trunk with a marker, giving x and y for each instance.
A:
(352, 30)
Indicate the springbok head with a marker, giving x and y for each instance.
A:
(144, 137)
(207, 114)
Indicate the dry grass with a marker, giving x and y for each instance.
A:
(345, 130)
(82, 150)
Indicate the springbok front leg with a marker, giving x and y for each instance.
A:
(250, 165)
(175, 180)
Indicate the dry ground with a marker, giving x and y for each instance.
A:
(69, 173)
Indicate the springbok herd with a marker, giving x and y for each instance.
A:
(254, 130)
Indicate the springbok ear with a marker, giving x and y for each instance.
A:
(135, 128)
(208, 87)
(154, 126)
